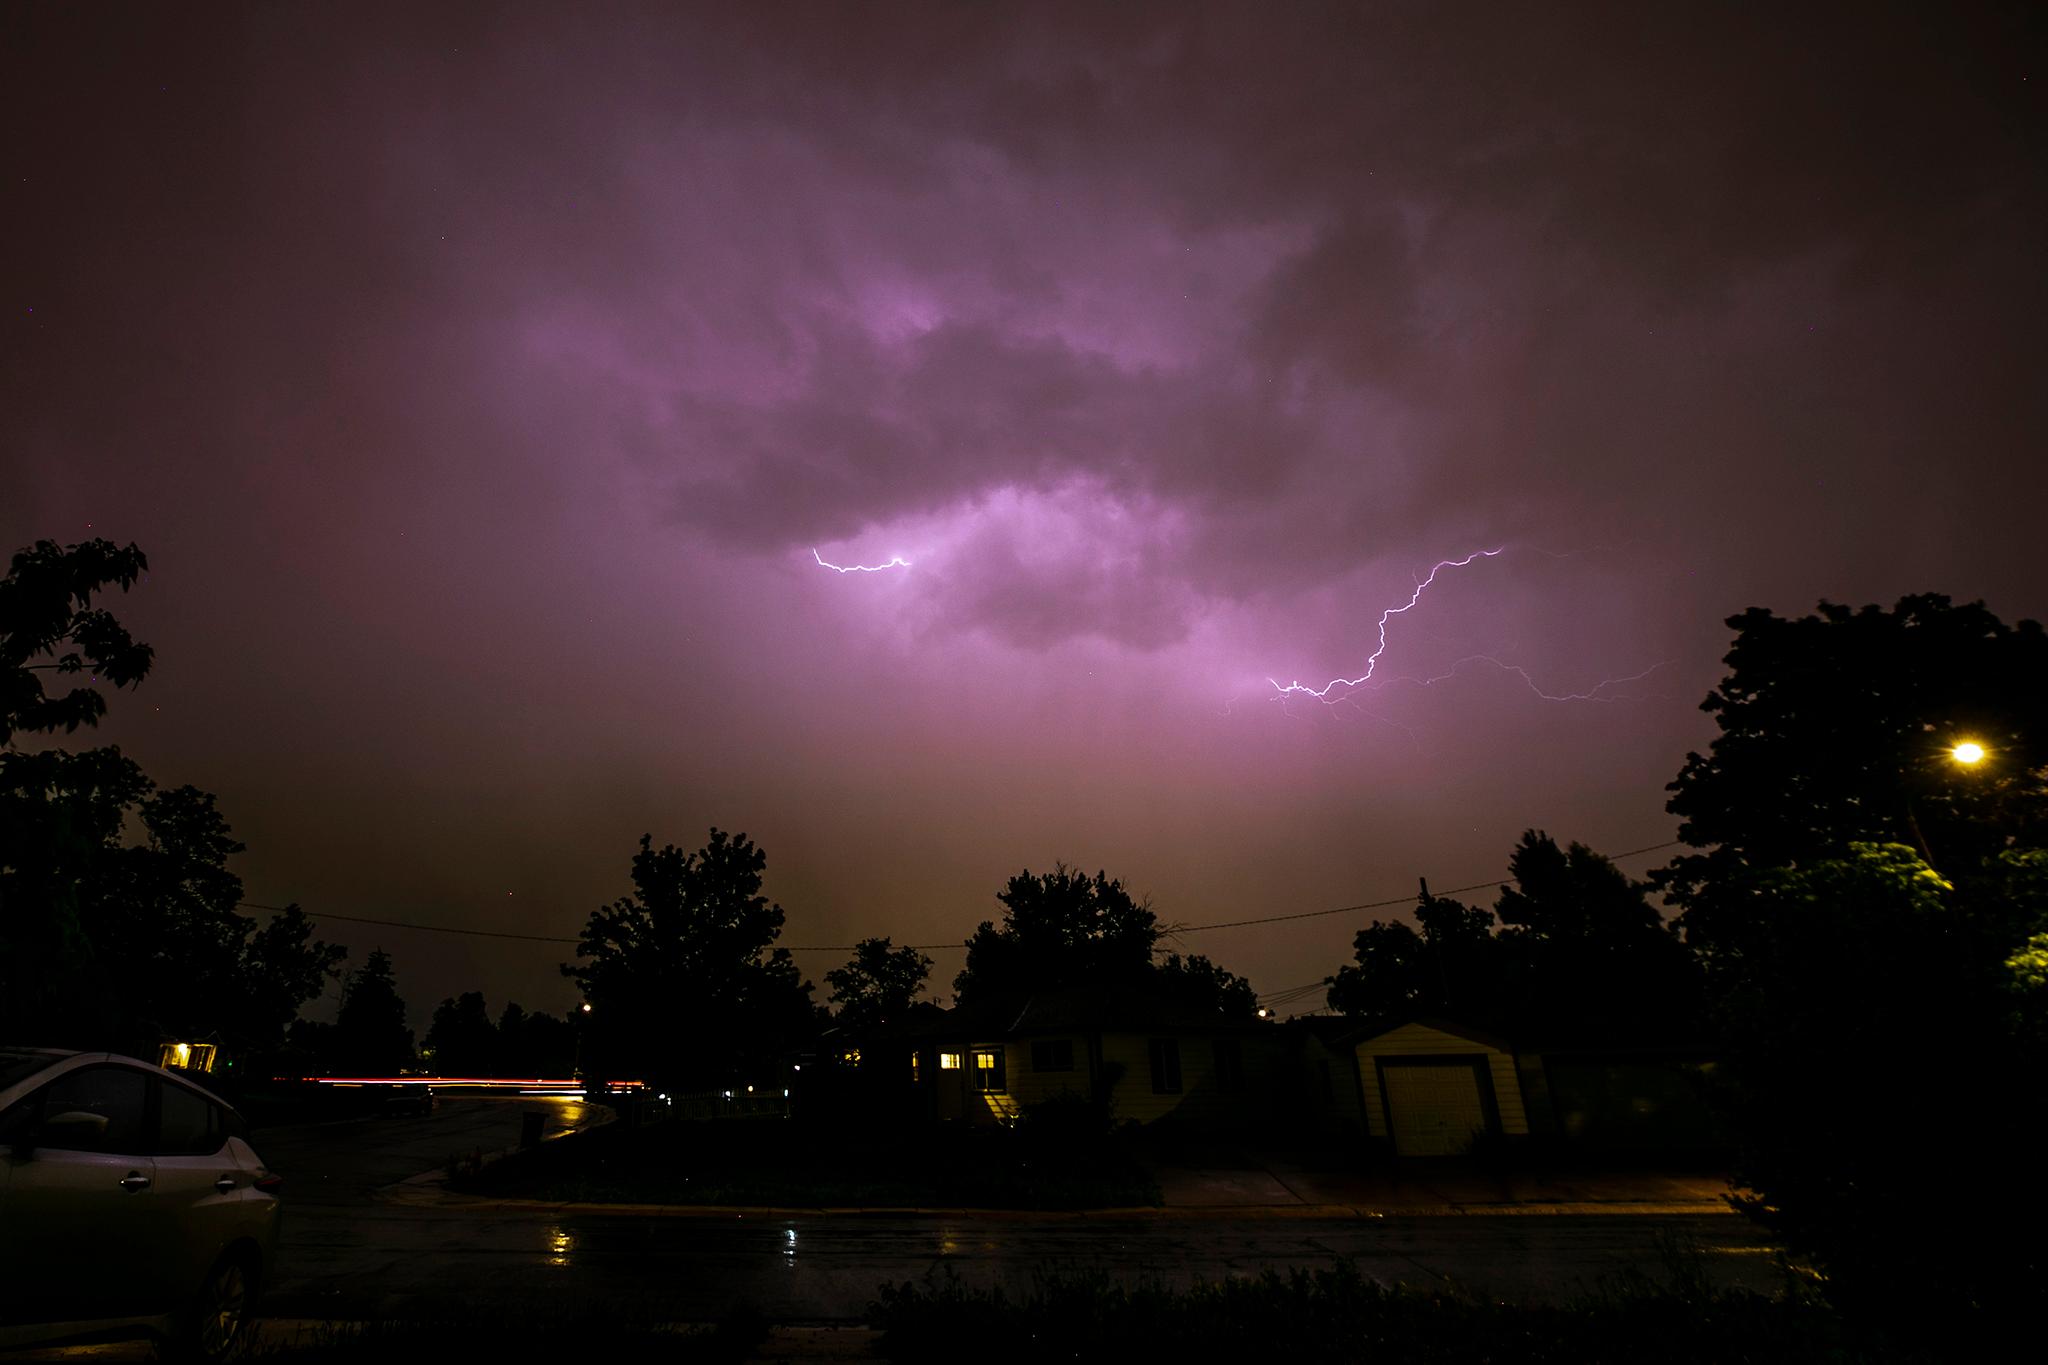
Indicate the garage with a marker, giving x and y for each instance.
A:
(1431, 1086)
(1434, 1108)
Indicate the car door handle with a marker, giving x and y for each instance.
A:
(224, 1185)
(135, 1180)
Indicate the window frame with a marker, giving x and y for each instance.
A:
(1227, 1055)
(992, 1079)
(1163, 1057)
(1042, 1049)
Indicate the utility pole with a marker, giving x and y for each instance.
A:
(1435, 949)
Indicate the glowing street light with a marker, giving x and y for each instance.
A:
(1967, 753)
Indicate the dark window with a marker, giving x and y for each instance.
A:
(1054, 1054)
(98, 1109)
(188, 1124)
(1229, 1064)
(1165, 1066)
(988, 1070)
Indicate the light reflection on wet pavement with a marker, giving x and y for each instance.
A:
(346, 1255)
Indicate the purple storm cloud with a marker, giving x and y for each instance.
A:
(490, 387)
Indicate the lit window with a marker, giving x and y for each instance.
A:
(850, 1057)
(988, 1071)
(949, 1061)
(916, 1067)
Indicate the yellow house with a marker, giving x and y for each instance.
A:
(1144, 1058)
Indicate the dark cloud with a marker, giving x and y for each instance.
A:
(481, 378)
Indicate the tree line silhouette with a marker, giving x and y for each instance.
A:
(1860, 930)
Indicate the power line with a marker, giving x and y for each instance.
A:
(1169, 931)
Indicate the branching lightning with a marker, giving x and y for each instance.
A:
(1373, 661)
(895, 562)
(1597, 693)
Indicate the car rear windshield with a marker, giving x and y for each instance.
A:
(15, 1066)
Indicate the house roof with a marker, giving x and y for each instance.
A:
(1452, 1027)
(1082, 1010)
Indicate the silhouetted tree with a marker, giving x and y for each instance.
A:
(462, 1041)
(878, 984)
(1595, 958)
(1060, 929)
(105, 943)
(1197, 983)
(1454, 966)
(49, 625)
(683, 984)
(1836, 729)
(537, 1044)
(1572, 949)
(1839, 965)
(370, 1033)
(1385, 981)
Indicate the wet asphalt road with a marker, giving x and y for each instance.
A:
(347, 1255)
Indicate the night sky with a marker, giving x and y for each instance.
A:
(485, 386)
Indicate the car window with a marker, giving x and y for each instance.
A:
(188, 1124)
(96, 1109)
(19, 1066)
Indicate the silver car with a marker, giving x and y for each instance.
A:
(130, 1205)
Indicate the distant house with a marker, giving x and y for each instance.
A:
(1144, 1057)
(1433, 1087)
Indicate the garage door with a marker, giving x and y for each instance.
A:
(1435, 1109)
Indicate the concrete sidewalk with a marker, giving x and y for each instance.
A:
(1442, 1186)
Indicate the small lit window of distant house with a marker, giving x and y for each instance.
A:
(949, 1061)
(988, 1070)
(1165, 1058)
(916, 1066)
(1053, 1054)
(1229, 1064)
(849, 1056)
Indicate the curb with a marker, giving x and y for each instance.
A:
(428, 1191)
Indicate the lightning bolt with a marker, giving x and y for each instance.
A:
(1322, 693)
(1593, 693)
(895, 562)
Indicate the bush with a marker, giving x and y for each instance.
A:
(1338, 1315)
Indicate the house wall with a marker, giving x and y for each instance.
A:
(1342, 1102)
(1201, 1096)
(1420, 1040)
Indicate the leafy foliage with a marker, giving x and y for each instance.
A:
(1200, 984)
(1875, 1013)
(1060, 929)
(878, 984)
(1063, 930)
(370, 1035)
(1835, 729)
(48, 623)
(1572, 949)
(103, 942)
(1336, 1314)
(681, 977)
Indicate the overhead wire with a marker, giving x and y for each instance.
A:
(1168, 931)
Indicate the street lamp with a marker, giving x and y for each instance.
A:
(1967, 753)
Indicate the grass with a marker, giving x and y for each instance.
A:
(531, 1337)
(1337, 1315)
(793, 1164)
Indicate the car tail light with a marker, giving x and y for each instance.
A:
(269, 1183)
